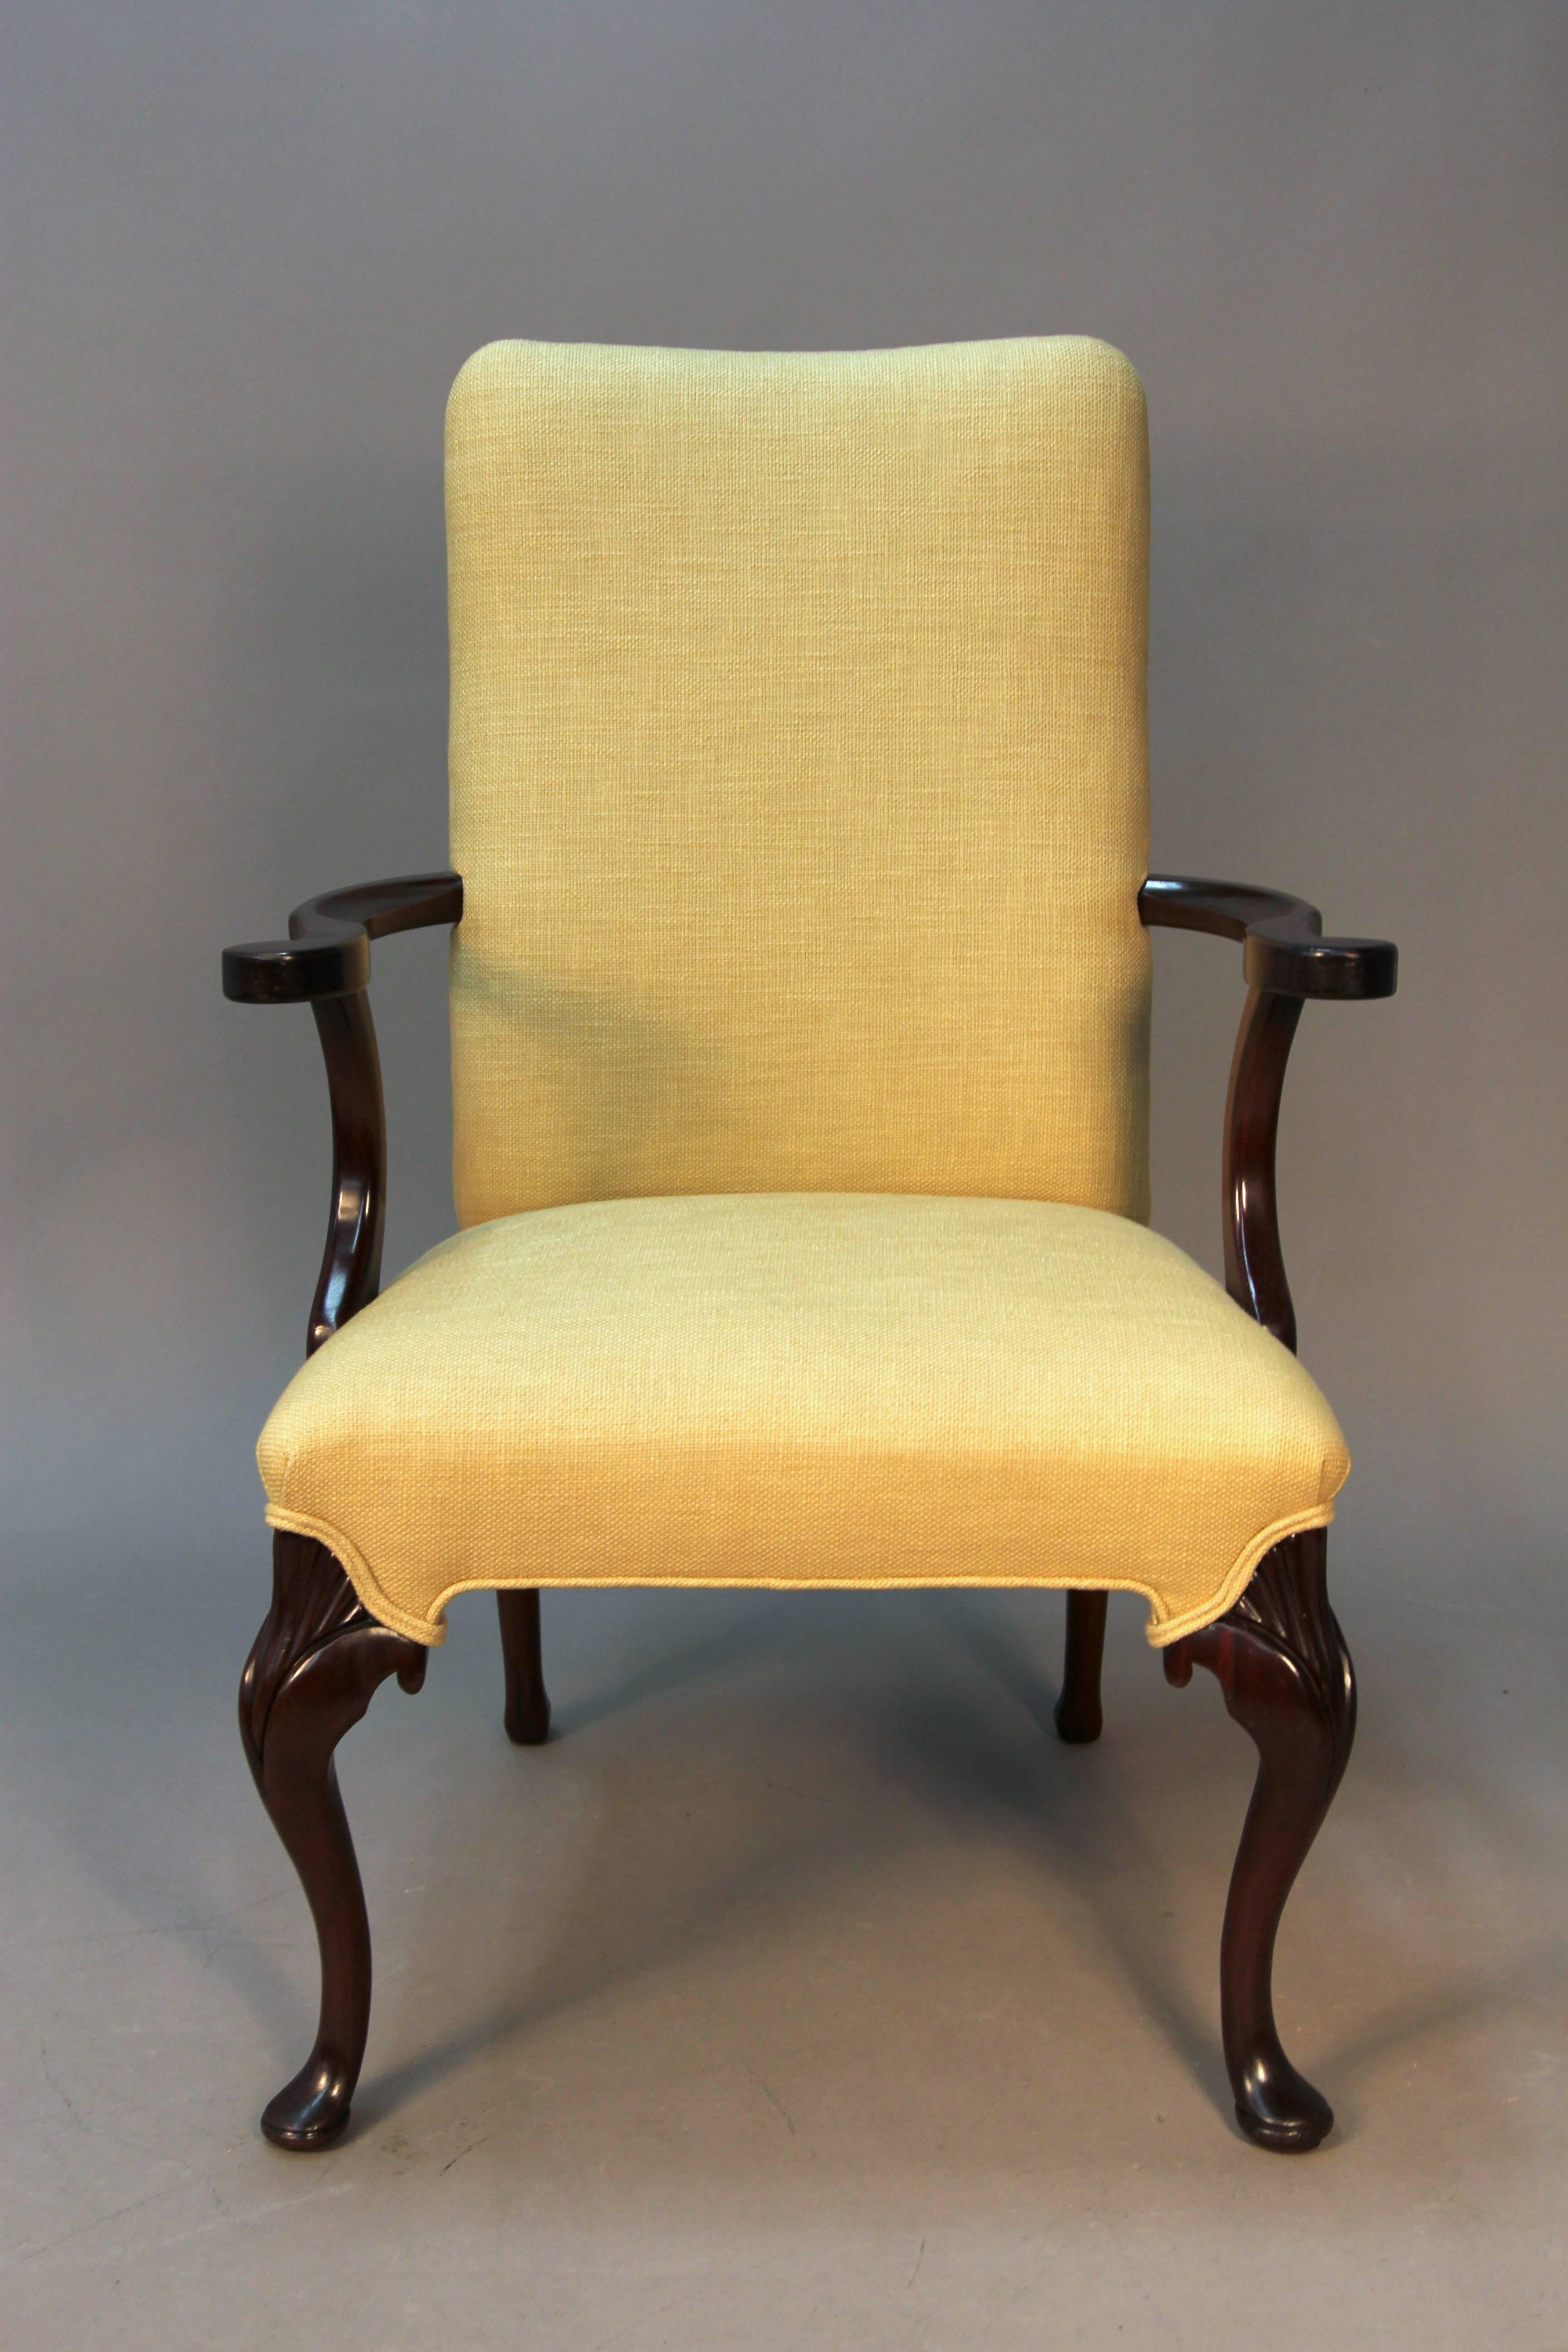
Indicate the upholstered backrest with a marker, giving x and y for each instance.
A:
(799, 773)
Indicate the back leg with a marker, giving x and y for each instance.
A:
(527, 1701)
(1078, 1717)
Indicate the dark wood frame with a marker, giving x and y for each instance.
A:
(1278, 1654)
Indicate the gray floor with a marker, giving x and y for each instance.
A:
(804, 1992)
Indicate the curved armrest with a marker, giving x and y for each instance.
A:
(1286, 960)
(325, 963)
(327, 952)
(1283, 944)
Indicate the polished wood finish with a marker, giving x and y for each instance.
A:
(1254, 1256)
(1077, 1715)
(1281, 1662)
(320, 1654)
(325, 963)
(327, 952)
(1278, 1654)
(351, 1263)
(313, 1670)
(1286, 960)
(1283, 947)
(527, 1717)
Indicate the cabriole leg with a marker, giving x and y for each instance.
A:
(527, 1714)
(1078, 1715)
(315, 1668)
(1281, 1662)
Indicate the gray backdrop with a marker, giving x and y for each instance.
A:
(249, 247)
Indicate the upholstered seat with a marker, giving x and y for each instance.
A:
(811, 1389)
(800, 1006)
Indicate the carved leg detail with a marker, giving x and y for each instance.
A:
(1077, 1715)
(527, 1714)
(1281, 1661)
(314, 1670)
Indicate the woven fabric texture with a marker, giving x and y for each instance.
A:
(811, 1388)
(799, 773)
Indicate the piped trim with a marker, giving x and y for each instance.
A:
(362, 1576)
(1160, 1631)
(1163, 1631)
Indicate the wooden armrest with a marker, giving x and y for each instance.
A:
(325, 963)
(1286, 960)
(1284, 948)
(327, 952)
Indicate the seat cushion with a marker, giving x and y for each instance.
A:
(802, 1389)
(799, 773)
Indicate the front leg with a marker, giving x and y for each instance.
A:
(312, 1673)
(1281, 1661)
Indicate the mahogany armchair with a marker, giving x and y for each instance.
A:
(800, 998)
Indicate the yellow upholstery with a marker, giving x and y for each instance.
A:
(798, 770)
(800, 1017)
(814, 1388)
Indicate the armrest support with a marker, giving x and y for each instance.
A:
(325, 963)
(1286, 960)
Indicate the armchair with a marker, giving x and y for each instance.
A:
(800, 1002)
